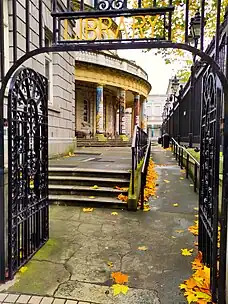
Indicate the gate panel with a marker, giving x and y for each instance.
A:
(209, 176)
(28, 167)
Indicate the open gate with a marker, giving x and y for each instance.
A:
(28, 167)
(209, 176)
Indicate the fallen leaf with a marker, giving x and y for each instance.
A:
(166, 181)
(119, 277)
(117, 289)
(196, 208)
(94, 187)
(173, 237)
(114, 213)
(110, 264)
(87, 209)
(23, 269)
(143, 248)
(175, 205)
(191, 185)
(186, 252)
(92, 197)
(146, 208)
(179, 231)
(181, 177)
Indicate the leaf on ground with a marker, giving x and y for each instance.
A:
(110, 264)
(191, 298)
(191, 185)
(182, 171)
(181, 177)
(117, 289)
(146, 208)
(87, 209)
(114, 213)
(92, 197)
(175, 205)
(119, 277)
(173, 237)
(186, 252)
(166, 181)
(23, 269)
(196, 208)
(179, 231)
(94, 187)
(143, 248)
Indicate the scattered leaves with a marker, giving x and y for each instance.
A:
(186, 252)
(117, 289)
(23, 269)
(114, 213)
(87, 209)
(123, 198)
(143, 248)
(95, 187)
(110, 264)
(194, 228)
(146, 208)
(119, 277)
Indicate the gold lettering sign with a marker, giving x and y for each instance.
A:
(135, 27)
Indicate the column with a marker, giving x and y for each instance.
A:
(99, 110)
(122, 106)
(136, 109)
(144, 116)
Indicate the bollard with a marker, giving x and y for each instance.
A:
(159, 140)
(166, 141)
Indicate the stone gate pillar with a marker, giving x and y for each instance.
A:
(99, 110)
(136, 109)
(122, 106)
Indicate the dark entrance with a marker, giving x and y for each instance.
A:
(28, 137)
(28, 167)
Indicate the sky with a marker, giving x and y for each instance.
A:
(158, 72)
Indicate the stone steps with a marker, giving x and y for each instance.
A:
(108, 143)
(75, 186)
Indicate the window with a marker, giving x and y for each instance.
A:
(48, 67)
(6, 34)
(86, 113)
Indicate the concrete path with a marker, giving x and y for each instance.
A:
(73, 265)
(105, 158)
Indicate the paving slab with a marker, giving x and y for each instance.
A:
(73, 265)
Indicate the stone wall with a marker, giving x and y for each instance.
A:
(62, 79)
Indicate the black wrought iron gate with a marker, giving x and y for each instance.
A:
(28, 167)
(209, 176)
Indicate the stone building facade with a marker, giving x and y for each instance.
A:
(75, 80)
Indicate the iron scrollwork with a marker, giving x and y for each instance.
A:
(28, 166)
(209, 176)
(105, 5)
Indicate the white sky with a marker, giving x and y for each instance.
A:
(158, 72)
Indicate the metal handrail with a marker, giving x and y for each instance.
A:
(179, 152)
(138, 148)
(144, 173)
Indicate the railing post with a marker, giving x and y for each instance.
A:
(195, 177)
(187, 165)
(133, 170)
(182, 156)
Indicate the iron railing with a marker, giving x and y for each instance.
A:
(138, 148)
(180, 153)
(144, 172)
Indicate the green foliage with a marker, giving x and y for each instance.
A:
(178, 28)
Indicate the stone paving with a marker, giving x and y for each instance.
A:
(73, 265)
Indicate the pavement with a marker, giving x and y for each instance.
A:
(107, 158)
(73, 265)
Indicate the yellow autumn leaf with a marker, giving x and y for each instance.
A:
(92, 197)
(203, 295)
(87, 209)
(191, 298)
(186, 252)
(110, 264)
(173, 237)
(23, 269)
(182, 286)
(114, 213)
(146, 208)
(179, 231)
(196, 208)
(191, 185)
(143, 248)
(181, 177)
(117, 289)
(166, 181)
(94, 187)
(175, 205)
